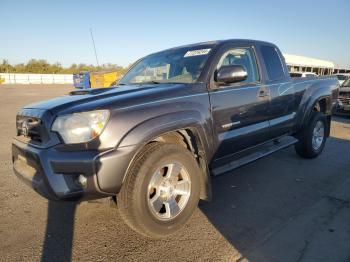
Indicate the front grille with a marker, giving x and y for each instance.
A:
(344, 97)
(30, 127)
(344, 100)
(344, 94)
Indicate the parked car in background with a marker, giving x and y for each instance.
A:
(342, 77)
(175, 118)
(303, 74)
(344, 98)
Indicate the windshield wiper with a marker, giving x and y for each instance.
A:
(150, 82)
(157, 83)
(174, 83)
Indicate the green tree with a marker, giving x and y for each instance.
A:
(5, 67)
(41, 66)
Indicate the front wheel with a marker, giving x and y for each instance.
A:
(161, 190)
(313, 138)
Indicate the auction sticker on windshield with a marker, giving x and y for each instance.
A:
(197, 52)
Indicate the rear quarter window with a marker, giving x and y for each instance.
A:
(272, 63)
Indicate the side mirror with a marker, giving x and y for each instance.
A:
(230, 74)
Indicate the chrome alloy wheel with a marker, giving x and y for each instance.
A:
(318, 135)
(169, 191)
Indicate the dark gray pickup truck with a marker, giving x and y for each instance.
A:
(176, 118)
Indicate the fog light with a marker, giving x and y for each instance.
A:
(82, 181)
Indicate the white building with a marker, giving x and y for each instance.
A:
(298, 63)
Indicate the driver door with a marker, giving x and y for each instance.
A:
(239, 110)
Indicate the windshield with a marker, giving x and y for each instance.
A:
(341, 77)
(346, 83)
(181, 65)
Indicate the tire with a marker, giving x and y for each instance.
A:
(306, 147)
(151, 168)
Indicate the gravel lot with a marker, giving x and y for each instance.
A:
(280, 208)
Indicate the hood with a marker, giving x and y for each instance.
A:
(120, 96)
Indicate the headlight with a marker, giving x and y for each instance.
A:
(81, 127)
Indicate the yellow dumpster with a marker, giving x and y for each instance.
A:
(103, 79)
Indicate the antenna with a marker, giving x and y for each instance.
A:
(93, 42)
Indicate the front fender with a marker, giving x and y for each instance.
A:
(151, 128)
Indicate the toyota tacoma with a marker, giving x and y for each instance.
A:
(176, 118)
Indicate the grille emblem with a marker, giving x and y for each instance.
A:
(25, 128)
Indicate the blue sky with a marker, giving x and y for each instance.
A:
(58, 31)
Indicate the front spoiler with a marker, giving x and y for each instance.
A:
(54, 173)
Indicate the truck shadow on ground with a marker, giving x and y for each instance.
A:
(344, 119)
(254, 206)
(59, 233)
(249, 206)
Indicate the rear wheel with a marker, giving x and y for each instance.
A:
(313, 138)
(161, 190)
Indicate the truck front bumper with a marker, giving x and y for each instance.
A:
(58, 175)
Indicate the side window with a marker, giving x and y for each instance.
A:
(244, 57)
(272, 63)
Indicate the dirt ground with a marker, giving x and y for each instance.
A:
(280, 208)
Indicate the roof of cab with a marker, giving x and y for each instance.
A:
(221, 42)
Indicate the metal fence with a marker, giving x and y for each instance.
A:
(8, 78)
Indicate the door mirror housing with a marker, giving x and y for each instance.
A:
(230, 74)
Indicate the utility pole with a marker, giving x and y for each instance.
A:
(93, 42)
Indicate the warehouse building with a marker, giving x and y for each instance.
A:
(298, 63)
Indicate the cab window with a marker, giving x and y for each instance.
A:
(272, 63)
(244, 57)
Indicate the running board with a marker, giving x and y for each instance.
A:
(242, 158)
